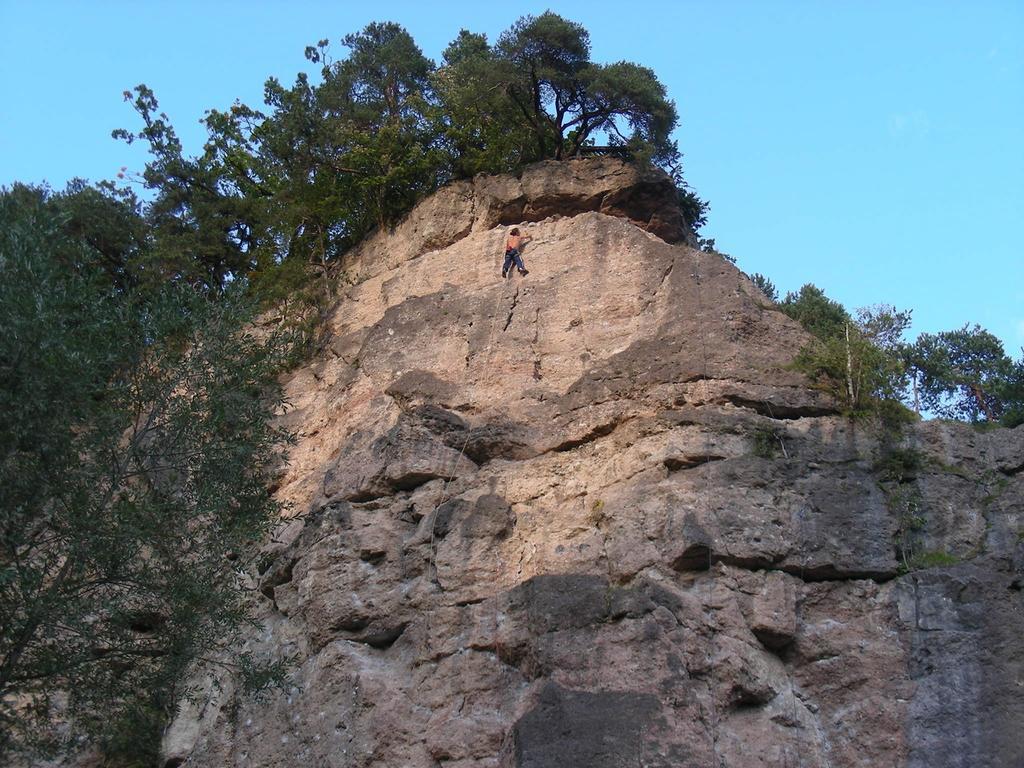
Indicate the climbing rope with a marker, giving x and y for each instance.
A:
(782, 443)
(465, 444)
(701, 331)
(497, 650)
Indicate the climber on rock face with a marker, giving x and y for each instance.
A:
(513, 245)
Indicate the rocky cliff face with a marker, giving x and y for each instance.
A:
(658, 547)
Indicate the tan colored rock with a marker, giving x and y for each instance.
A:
(548, 189)
(540, 529)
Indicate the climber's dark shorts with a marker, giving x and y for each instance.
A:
(512, 255)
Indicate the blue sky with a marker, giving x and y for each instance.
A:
(875, 149)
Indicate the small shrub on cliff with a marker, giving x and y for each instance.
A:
(765, 442)
(857, 359)
(900, 465)
(766, 286)
(934, 559)
(906, 504)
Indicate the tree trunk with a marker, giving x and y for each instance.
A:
(849, 369)
(979, 398)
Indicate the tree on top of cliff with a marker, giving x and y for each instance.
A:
(568, 99)
(965, 374)
(538, 83)
(383, 128)
(857, 359)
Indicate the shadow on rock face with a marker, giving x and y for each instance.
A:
(552, 602)
(425, 442)
(567, 728)
(489, 517)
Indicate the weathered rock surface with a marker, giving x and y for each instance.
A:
(591, 518)
(646, 197)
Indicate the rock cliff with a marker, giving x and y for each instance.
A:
(659, 546)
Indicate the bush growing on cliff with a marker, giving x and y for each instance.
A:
(766, 286)
(134, 437)
(856, 359)
(866, 364)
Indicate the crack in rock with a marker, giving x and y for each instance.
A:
(511, 311)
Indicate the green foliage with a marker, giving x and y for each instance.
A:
(329, 161)
(536, 95)
(894, 416)
(857, 360)
(865, 364)
(765, 442)
(906, 503)
(694, 210)
(965, 374)
(933, 559)
(202, 224)
(819, 315)
(853, 370)
(479, 125)
(564, 100)
(766, 286)
(707, 245)
(897, 468)
(101, 228)
(900, 465)
(134, 436)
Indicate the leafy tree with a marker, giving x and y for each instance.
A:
(110, 223)
(566, 100)
(382, 90)
(134, 439)
(307, 180)
(326, 162)
(202, 224)
(858, 360)
(694, 210)
(106, 220)
(818, 314)
(963, 374)
(536, 95)
(479, 126)
(883, 327)
(966, 374)
(384, 80)
(1010, 392)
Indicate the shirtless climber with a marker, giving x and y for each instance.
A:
(513, 245)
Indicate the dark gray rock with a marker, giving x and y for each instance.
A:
(570, 729)
(967, 659)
